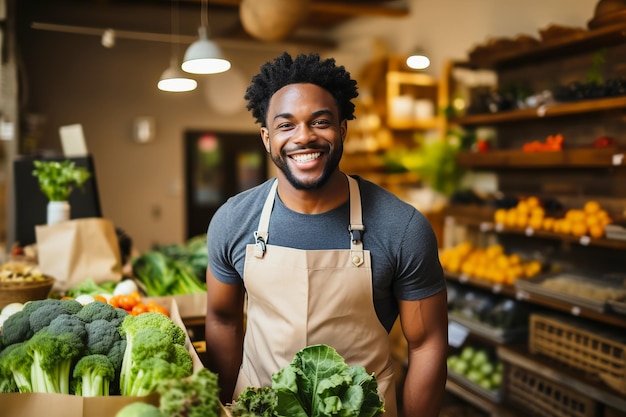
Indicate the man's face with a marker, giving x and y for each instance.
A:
(304, 135)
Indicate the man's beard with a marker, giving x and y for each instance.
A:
(334, 157)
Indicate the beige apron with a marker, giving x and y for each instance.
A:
(297, 298)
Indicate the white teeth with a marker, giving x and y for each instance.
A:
(306, 157)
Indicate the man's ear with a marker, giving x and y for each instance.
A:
(265, 137)
(343, 129)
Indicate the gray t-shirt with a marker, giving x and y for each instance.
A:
(402, 244)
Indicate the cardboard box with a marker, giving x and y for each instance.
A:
(63, 405)
(189, 305)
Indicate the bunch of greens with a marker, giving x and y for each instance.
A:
(193, 254)
(194, 396)
(58, 179)
(317, 383)
(162, 275)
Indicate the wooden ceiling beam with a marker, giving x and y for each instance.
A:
(341, 8)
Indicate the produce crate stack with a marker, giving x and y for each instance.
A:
(542, 397)
(596, 352)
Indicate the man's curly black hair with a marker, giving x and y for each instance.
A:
(303, 69)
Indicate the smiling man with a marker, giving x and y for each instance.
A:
(319, 256)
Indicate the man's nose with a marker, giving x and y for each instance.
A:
(304, 134)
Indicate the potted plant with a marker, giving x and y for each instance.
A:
(57, 180)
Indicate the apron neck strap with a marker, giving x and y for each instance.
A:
(356, 227)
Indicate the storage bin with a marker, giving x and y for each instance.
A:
(542, 397)
(601, 353)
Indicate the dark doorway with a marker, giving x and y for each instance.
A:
(219, 165)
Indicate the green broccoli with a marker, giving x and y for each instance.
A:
(16, 359)
(97, 311)
(115, 355)
(148, 335)
(16, 328)
(194, 396)
(92, 376)
(42, 317)
(150, 372)
(101, 335)
(53, 356)
(71, 306)
(139, 410)
(7, 382)
(68, 323)
(33, 305)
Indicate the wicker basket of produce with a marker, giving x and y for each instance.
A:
(21, 282)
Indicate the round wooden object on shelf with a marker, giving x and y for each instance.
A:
(272, 20)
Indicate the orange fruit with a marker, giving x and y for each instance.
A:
(591, 207)
(596, 231)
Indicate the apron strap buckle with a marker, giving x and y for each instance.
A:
(260, 245)
(356, 232)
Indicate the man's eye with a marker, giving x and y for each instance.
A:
(320, 122)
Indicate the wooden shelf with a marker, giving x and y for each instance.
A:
(553, 110)
(568, 158)
(512, 292)
(478, 401)
(554, 48)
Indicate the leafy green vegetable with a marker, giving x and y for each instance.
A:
(317, 383)
(194, 396)
(162, 275)
(255, 402)
(90, 287)
(58, 179)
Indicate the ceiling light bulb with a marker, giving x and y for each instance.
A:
(418, 61)
(173, 80)
(204, 56)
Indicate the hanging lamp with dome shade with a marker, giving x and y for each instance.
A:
(173, 79)
(418, 60)
(204, 56)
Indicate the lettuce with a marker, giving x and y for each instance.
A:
(319, 383)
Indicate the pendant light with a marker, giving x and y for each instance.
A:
(204, 56)
(173, 79)
(418, 60)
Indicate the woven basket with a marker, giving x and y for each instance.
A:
(20, 292)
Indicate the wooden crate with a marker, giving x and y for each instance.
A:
(596, 352)
(542, 397)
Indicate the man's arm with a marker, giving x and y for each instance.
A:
(224, 333)
(425, 327)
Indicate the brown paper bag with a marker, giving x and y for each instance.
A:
(75, 250)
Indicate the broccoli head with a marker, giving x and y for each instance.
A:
(52, 357)
(150, 372)
(101, 335)
(42, 317)
(92, 376)
(71, 306)
(16, 359)
(68, 323)
(97, 310)
(16, 328)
